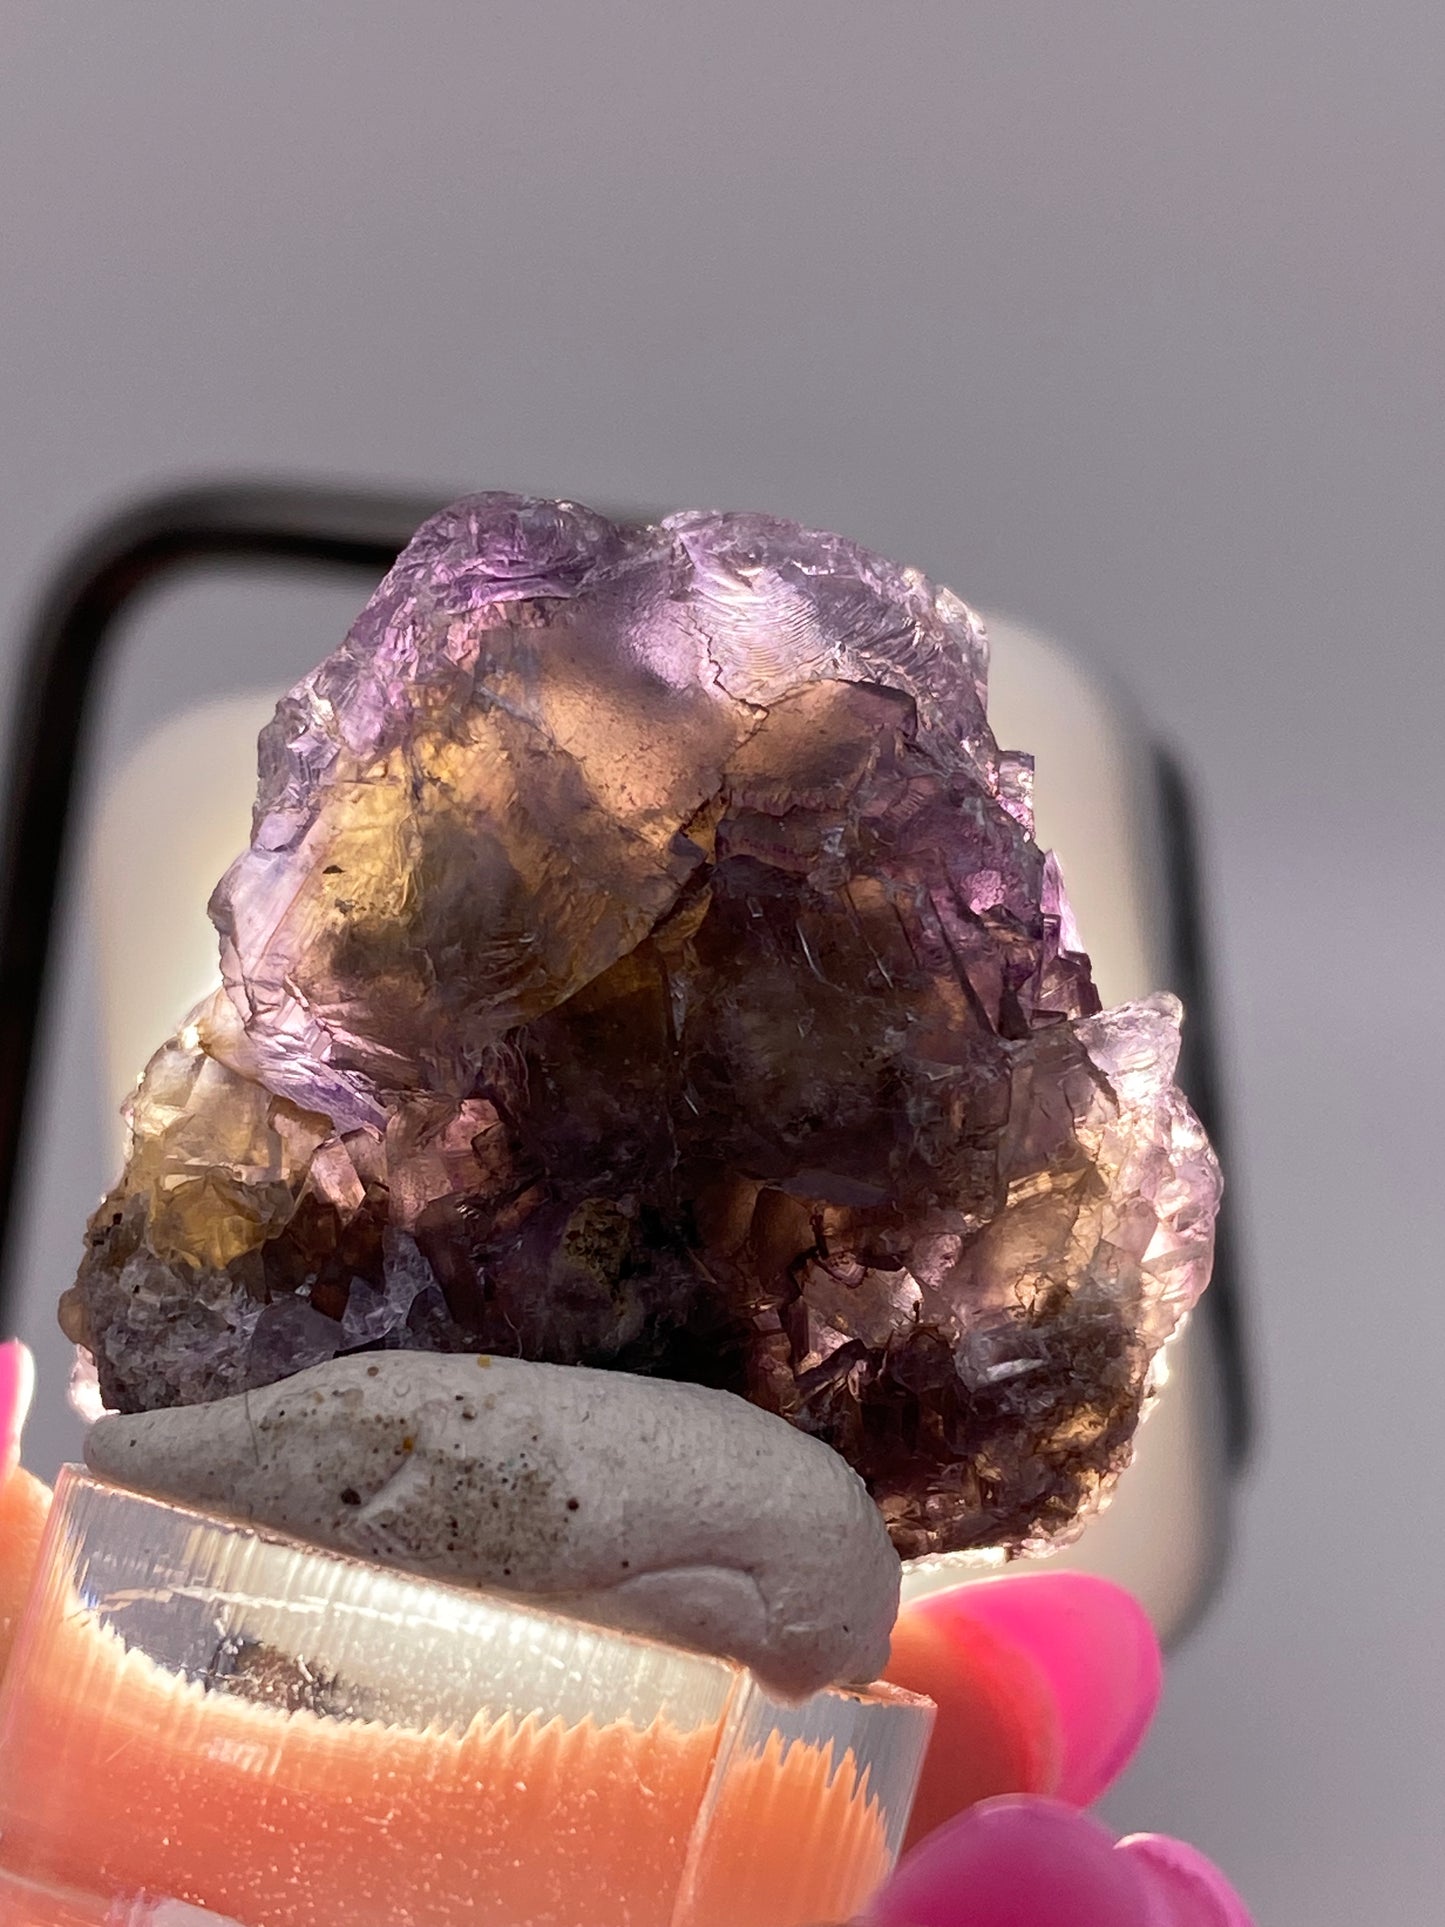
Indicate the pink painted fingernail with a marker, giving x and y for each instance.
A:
(1017, 1862)
(1094, 1647)
(1190, 1890)
(17, 1384)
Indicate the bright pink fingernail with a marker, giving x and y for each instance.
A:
(1095, 1648)
(1016, 1862)
(1190, 1890)
(17, 1384)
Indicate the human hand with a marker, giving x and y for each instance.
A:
(24, 1500)
(1045, 1685)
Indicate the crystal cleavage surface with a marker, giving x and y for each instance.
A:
(643, 959)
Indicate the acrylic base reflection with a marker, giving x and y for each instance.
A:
(227, 1720)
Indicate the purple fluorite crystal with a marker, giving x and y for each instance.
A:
(643, 959)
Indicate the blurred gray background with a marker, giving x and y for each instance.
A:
(1123, 319)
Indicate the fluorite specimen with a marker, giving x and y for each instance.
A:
(643, 959)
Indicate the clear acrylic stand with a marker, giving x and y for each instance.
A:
(199, 1715)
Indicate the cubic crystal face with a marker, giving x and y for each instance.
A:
(643, 959)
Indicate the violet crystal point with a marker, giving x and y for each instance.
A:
(643, 959)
